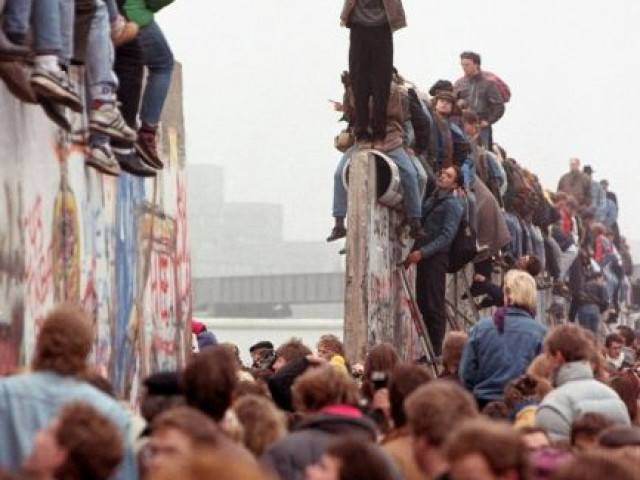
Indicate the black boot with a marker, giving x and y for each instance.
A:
(339, 231)
(417, 232)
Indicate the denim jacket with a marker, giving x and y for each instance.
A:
(29, 402)
(491, 359)
(441, 216)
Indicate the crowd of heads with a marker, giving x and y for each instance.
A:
(318, 415)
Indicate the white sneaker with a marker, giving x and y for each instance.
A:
(102, 159)
(108, 120)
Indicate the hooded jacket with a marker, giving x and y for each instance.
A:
(577, 392)
(309, 439)
(393, 8)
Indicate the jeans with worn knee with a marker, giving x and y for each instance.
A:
(158, 58)
(588, 316)
(339, 191)
(408, 180)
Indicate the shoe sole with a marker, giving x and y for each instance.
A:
(137, 173)
(144, 156)
(112, 132)
(102, 168)
(48, 88)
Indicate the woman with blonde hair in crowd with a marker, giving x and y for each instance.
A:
(263, 424)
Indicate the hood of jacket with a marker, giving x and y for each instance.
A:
(337, 424)
(572, 371)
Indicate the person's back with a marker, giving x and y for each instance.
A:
(493, 357)
(28, 402)
(577, 392)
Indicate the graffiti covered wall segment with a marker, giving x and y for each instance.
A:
(117, 246)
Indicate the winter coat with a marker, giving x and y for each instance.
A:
(482, 97)
(577, 392)
(393, 8)
(441, 217)
(309, 439)
(492, 227)
(492, 358)
(577, 184)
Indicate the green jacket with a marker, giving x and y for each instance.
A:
(142, 11)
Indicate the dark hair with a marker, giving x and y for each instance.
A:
(473, 56)
(201, 430)
(359, 460)
(590, 424)
(619, 436)
(292, 349)
(209, 380)
(519, 389)
(627, 333)
(403, 380)
(260, 345)
(594, 466)
(470, 117)
(534, 266)
(381, 358)
(64, 341)
(93, 442)
(613, 338)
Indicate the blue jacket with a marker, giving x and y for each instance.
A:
(441, 216)
(491, 359)
(29, 402)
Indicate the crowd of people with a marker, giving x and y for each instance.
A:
(455, 179)
(116, 41)
(510, 402)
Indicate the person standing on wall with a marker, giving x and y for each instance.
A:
(480, 95)
(372, 23)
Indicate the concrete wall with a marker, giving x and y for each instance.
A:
(117, 246)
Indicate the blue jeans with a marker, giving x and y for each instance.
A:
(100, 54)
(408, 180)
(515, 231)
(157, 57)
(588, 316)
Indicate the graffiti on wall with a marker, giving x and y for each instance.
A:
(114, 245)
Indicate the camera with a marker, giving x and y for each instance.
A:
(379, 380)
(266, 359)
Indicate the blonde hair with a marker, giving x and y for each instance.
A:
(520, 288)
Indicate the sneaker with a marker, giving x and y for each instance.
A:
(55, 112)
(107, 119)
(130, 162)
(57, 86)
(123, 32)
(146, 146)
(102, 159)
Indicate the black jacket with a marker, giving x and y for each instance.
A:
(290, 456)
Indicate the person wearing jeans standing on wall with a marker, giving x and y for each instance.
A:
(157, 57)
(372, 23)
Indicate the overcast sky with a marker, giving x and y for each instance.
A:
(258, 74)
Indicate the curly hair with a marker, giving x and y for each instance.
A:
(92, 440)
(263, 423)
(209, 380)
(64, 342)
(292, 349)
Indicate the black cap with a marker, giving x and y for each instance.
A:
(261, 344)
(163, 384)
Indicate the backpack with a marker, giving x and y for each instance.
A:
(463, 248)
(503, 88)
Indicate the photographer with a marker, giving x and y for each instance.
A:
(262, 354)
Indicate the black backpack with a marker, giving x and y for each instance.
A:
(464, 246)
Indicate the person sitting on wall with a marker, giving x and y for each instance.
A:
(392, 145)
(442, 214)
